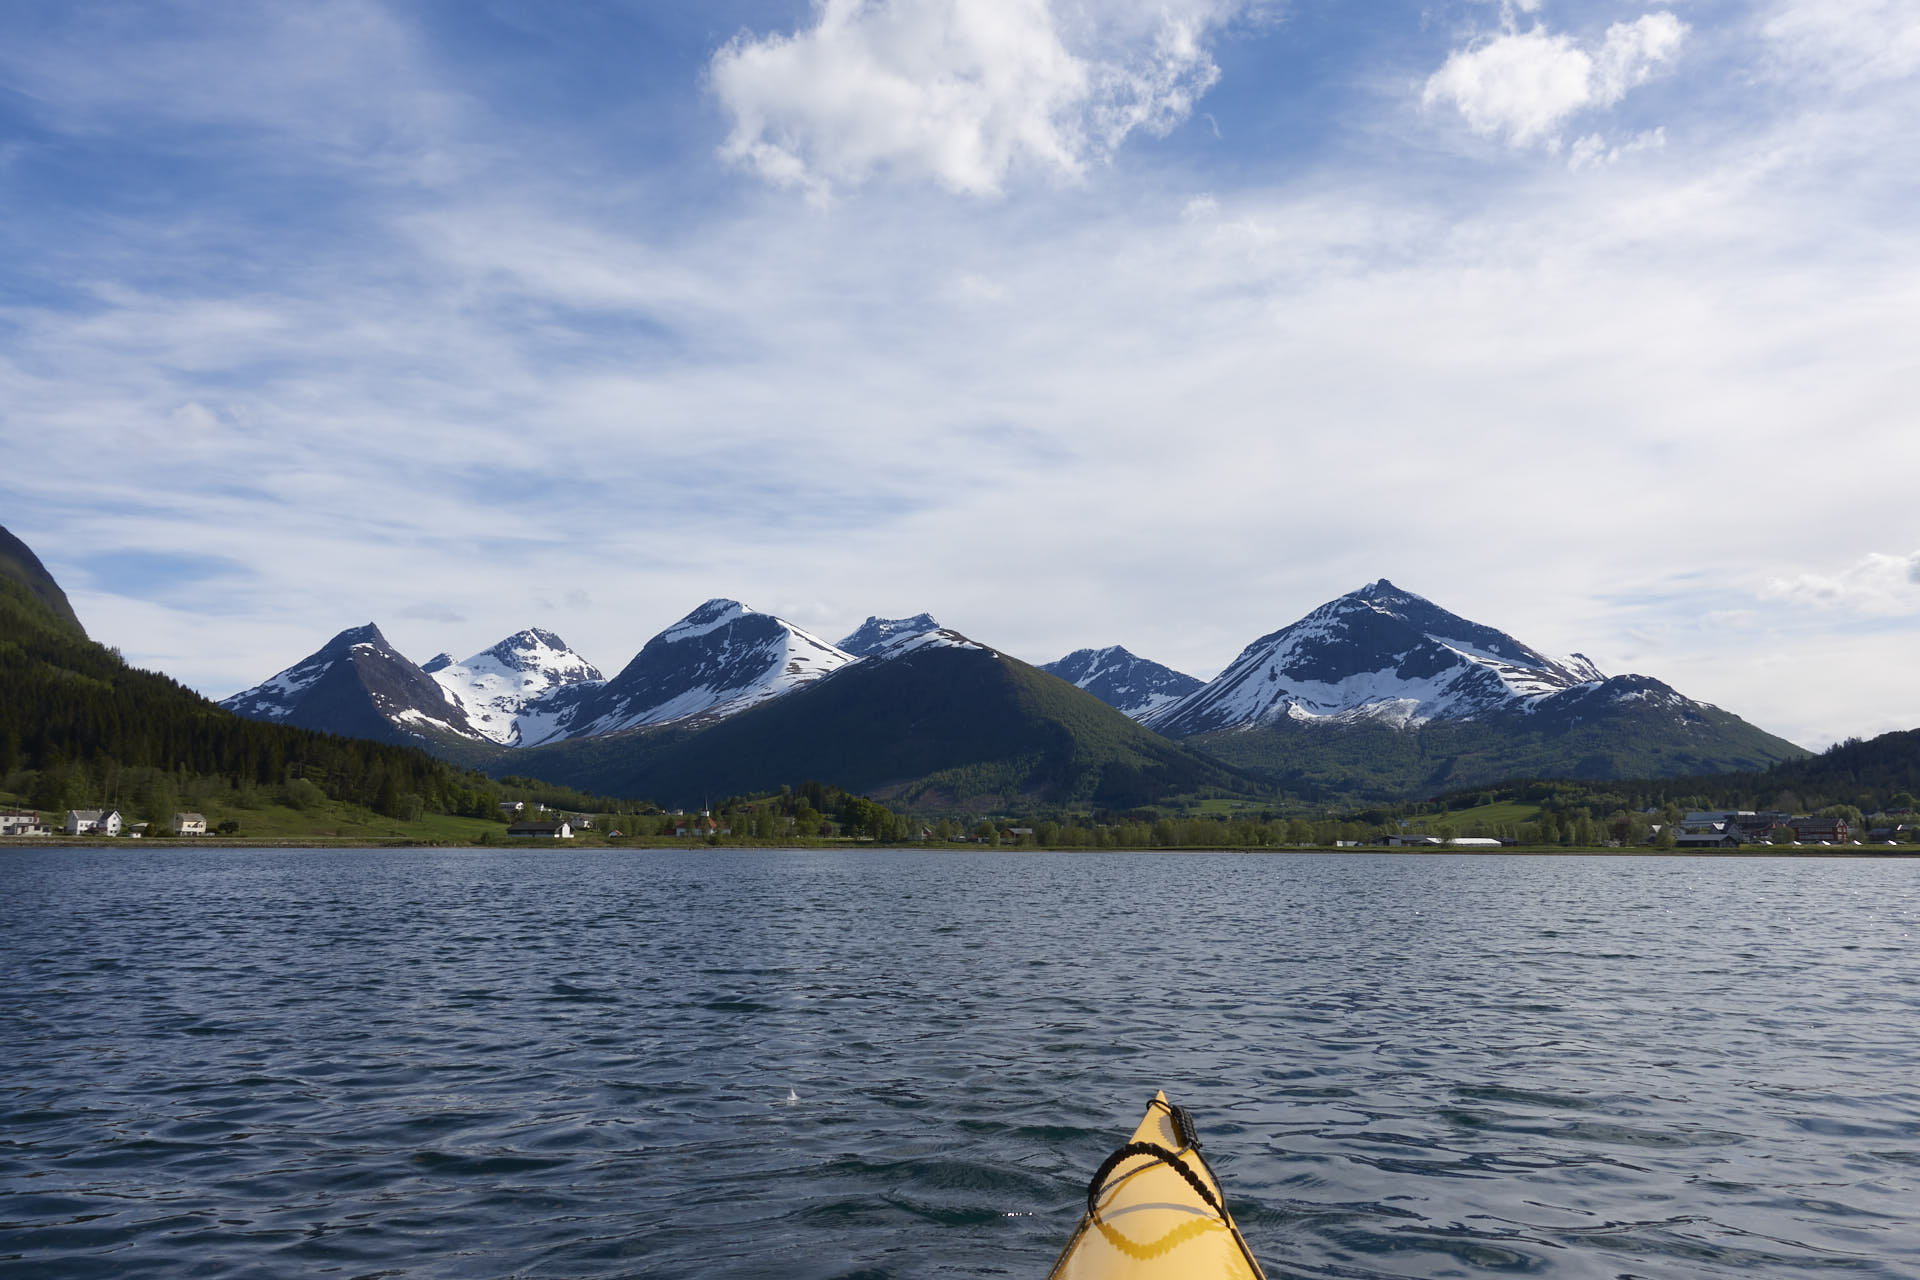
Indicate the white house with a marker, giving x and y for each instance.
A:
(189, 824)
(93, 822)
(21, 822)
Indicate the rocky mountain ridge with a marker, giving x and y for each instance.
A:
(1302, 706)
(1124, 681)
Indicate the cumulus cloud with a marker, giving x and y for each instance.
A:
(963, 92)
(1526, 84)
(1878, 584)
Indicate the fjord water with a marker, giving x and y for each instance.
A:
(819, 1064)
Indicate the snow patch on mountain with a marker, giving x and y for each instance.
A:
(877, 632)
(717, 661)
(1125, 681)
(501, 689)
(908, 642)
(705, 620)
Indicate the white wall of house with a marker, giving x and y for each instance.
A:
(93, 822)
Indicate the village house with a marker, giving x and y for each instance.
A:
(1749, 826)
(542, 830)
(22, 822)
(189, 824)
(1822, 830)
(93, 822)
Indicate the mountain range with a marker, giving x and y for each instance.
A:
(1378, 694)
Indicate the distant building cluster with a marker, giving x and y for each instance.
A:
(94, 822)
(1732, 828)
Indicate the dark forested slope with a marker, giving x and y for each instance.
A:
(71, 710)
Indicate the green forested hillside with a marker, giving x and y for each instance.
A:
(76, 721)
(1884, 772)
(942, 729)
(19, 565)
(1370, 761)
(1879, 775)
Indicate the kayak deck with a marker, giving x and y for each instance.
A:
(1156, 1210)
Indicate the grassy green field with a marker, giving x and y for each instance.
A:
(1501, 812)
(1230, 807)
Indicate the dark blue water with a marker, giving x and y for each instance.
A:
(441, 1064)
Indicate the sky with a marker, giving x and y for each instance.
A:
(1143, 322)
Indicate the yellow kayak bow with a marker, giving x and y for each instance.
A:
(1155, 1210)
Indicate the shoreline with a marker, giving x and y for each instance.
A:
(290, 843)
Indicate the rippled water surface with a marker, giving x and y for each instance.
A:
(827, 1064)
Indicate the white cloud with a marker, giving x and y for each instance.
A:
(964, 92)
(1529, 390)
(1525, 84)
(1593, 151)
(1878, 585)
(1853, 43)
(1631, 53)
(336, 78)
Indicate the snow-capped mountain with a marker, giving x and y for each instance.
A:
(1122, 680)
(876, 632)
(720, 659)
(930, 717)
(1382, 654)
(906, 642)
(505, 690)
(358, 685)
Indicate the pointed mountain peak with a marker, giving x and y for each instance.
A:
(1384, 595)
(438, 662)
(356, 685)
(721, 658)
(368, 634)
(508, 691)
(711, 616)
(877, 632)
(533, 640)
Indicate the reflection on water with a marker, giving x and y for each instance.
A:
(836, 1064)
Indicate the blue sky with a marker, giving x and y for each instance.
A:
(1150, 323)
